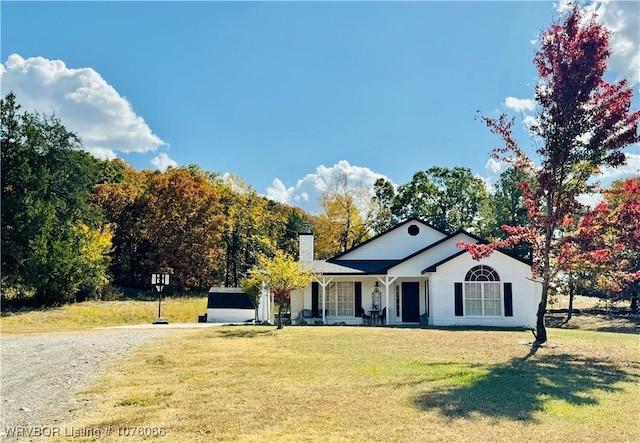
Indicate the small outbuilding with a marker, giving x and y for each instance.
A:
(232, 305)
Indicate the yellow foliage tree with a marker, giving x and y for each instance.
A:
(346, 218)
(280, 274)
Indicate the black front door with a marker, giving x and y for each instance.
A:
(410, 302)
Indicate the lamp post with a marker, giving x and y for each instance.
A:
(160, 280)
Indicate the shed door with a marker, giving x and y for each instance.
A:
(410, 302)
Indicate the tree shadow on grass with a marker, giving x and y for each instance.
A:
(518, 389)
(244, 333)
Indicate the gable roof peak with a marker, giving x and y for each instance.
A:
(392, 228)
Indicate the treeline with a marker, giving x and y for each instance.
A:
(75, 227)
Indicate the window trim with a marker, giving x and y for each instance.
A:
(343, 300)
(483, 276)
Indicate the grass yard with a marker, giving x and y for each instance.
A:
(92, 314)
(343, 384)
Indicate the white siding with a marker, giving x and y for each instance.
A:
(415, 265)
(526, 293)
(229, 315)
(300, 299)
(396, 244)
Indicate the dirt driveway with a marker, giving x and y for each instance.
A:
(41, 373)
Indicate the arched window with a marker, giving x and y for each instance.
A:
(482, 273)
(482, 294)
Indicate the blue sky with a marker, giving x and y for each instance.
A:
(286, 94)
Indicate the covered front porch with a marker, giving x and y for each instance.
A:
(363, 300)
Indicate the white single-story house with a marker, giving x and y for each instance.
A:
(233, 305)
(414, 273)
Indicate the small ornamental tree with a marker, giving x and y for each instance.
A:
(280, 274)
(583, 123)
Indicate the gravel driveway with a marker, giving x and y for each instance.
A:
(41, 373)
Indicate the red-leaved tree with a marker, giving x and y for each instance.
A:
(583, 123)
(606, 242)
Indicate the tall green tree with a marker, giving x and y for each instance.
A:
(507, 209)
(382, 203)
(54, 246)
(448, 198)
(584, 122)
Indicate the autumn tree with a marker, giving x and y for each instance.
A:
(280, 275)
(605, 246)
(120, 202)
(245, 235)
(583, 123)
(183, 226)
(164, 221)
(345, 217)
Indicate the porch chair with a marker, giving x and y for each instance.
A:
(306, 315)
(366, 319)
(383, 316)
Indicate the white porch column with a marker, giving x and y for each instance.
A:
(387, 282)
(324, 284)
(324, 304)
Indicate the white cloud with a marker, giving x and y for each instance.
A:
(101, 153)
(590, 200)
(529, 121)
(306, 193)
(520, 104)
(84, 102)
(162, 162)
(279, 192)
(496, 167)
(623, 18)
(630, 169)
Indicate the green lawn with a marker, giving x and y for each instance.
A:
(342, 384)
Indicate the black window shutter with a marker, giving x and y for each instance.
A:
(358, 299)
(508, 300)
(458, 296)
(315, 299)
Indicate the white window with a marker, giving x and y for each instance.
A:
(482, 292)
(340, 299)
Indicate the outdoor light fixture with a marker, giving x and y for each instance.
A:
(160, 280)
(376, 297)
